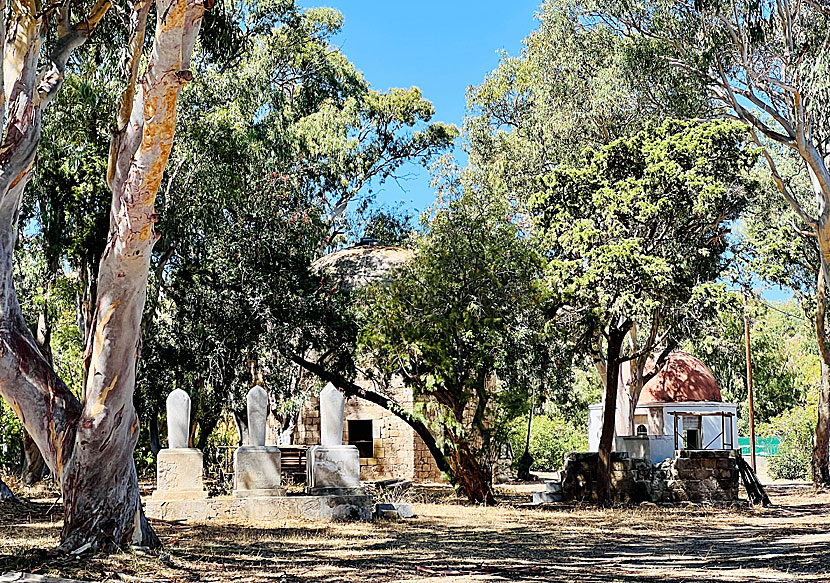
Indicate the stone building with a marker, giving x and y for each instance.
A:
(388, 447)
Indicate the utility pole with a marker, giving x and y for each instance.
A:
(749, 386)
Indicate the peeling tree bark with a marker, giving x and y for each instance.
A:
(820, 462)
(33, 464)
(102, 503)
(39, 398)
(90, 447)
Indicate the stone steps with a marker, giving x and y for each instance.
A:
(552, 492)
(546, 497)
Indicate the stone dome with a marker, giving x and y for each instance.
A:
(682, 378)
(363, 263)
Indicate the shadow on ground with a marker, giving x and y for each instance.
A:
(790, 541)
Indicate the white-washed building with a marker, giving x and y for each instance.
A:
(680, 408)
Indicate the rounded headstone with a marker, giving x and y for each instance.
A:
(332, 405)
(178, 419)
(257, 414)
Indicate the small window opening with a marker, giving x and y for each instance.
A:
(360, 435)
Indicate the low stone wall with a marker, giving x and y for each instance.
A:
(694, 476)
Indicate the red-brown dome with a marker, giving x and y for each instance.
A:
(682, 378)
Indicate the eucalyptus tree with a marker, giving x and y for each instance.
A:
(89, 445)
(294, 123)
(571, 87)
(633, 231)
(64, 219)
(764, 63)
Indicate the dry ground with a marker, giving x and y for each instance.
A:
(451, 542)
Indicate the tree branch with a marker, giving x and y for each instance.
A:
(387, 403)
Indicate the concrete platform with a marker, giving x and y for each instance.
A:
(258, 509)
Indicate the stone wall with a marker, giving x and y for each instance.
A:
(425, 469)
(397, 452)
(694, 476)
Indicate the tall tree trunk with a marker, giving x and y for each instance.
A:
(90, 447)
(820, 462)
(43, 403)
(474, 479)
(526, 461)
(33, 462)
(616, 335)
(101, 497)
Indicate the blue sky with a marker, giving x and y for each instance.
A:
(440, 47)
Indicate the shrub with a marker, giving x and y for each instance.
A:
(11, 437)
(550, 439)
(795, 427)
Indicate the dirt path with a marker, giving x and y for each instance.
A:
(454, 543)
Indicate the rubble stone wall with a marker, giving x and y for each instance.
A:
(694, 476)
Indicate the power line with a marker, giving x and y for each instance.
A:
(766, 303)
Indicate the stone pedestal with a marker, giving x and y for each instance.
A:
(333, 470)
(179, 474)
(256, 471)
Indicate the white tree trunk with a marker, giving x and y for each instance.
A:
(90, 448)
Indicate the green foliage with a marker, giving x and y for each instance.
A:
(68, 200)
(460, 323)
(770, 245)
(794, 458)
(634, 229)
(785, 361)
(11, 436)
(573, 86)
(551, 437)
(389, 226)
(53, 295)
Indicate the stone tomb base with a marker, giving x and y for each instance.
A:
(257, 471)
(333, 470)
(262, 509)
(179, 474)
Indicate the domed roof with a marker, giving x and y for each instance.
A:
(682, 378)
(365, 262)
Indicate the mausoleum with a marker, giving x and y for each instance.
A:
(679, 408)
(388, 447)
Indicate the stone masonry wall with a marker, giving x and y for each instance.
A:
(398, 452)
(425, 468)
(694, 476)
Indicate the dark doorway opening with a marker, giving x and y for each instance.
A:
(360, 435)
(692, 439)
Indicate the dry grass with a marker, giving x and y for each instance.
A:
(458, 543)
